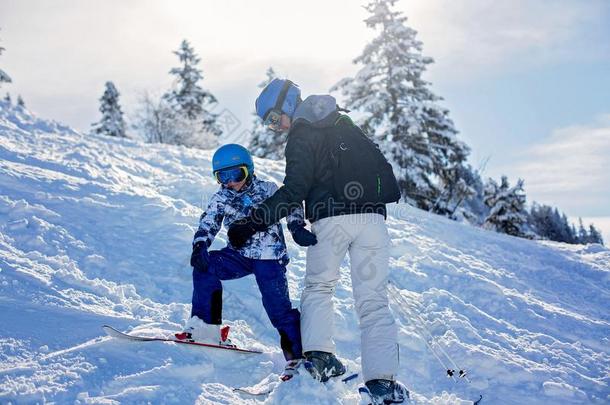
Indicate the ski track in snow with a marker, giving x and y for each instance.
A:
(97, 231)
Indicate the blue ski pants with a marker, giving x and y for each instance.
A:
(228, 264)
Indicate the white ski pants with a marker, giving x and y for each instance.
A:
(365, 237)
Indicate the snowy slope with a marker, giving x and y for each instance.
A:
(96, 230)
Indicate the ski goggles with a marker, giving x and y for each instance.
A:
(231, 175)
(273, 120)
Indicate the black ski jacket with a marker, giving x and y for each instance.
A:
(308, 178)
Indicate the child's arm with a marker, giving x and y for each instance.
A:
(210, 221)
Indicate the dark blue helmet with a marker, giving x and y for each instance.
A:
(231, 155)
(281, 95)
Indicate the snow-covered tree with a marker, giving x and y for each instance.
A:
(595, 235)
(152, 119)
(20, 102)
(592, 235)
(573, 234)
(473, 208)
(402, 114)
(8, 100)
(4, 77)
(507, 207)
(264, 142)
(548, 223)
(459, 187)
(188, 98)
(588, 236)
(544, 221)
(583, 235)
(568, 233)
(112, 122)
(158, 122)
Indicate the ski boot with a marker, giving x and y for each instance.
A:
(196, 330)
(323, 365)
(291, 369)
(383, 392)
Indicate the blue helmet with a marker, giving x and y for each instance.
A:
(231, 155)
(280, 94)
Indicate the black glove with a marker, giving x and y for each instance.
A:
(241, 231)
(200, 257)
(303, 237)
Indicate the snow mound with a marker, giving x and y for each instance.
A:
(18, 118)
(96, 230)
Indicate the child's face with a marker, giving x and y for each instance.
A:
(236, 185)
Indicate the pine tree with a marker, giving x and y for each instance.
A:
(574, 234)
(448, 156)
(112, 122)
(402, 114)
(544, 221)
(8, 100)
(187, 97)
(473, 208)
(540, 218)
(567, 231)
(264, 142)
(459, 185)
(20, 102)
(550, 223)
(561, 231)
(595, 235)
(4, 77)
(507, 207)
(583, 235)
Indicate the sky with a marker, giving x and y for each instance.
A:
(527, 82)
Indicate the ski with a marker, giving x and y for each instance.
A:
(261, 389)
(266, 387)
(110, 331)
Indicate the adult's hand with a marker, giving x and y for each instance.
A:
(303, 237)
(240, 232)
(199, 257)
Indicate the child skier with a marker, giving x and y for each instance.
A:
(265, 256)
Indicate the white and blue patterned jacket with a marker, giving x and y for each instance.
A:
(228, 205)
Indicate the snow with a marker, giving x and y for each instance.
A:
(97, 230)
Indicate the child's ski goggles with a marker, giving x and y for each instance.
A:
(231, 174)
(273, 120)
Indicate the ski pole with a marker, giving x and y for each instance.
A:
(421, 322)
(434, 353)
(402, 302)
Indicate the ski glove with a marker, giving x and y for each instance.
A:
(242, 230)
(200, 257)
(303, 237)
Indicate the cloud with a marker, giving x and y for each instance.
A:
(473, 37)
(60, 54)
(571, 169)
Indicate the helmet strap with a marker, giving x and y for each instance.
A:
(282, 96)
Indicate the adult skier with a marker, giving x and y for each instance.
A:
(264, 255)
(345, 182)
